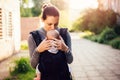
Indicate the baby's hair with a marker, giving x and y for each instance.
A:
(53, 33)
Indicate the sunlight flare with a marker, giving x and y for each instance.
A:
(82, 4)
(77, 6)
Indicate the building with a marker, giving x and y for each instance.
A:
(9, 28)
(111, 4)
(28, 24)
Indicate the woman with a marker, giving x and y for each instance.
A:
(38, 45)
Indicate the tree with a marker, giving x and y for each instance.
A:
(36, 10)
(61, 4)
(25, 11)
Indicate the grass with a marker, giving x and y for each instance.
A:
(24, 45)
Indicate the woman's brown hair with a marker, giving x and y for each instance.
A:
(49, 10)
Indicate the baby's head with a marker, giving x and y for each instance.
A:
(52, 34)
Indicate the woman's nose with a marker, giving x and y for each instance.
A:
(52, 27)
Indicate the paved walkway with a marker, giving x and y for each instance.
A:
(92, 61)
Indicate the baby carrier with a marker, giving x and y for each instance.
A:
(53, 66)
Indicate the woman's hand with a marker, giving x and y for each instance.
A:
(60, 44)
(44, 45)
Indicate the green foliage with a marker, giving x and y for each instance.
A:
(76, 26)
(92, 38)
(26, 76)
(25, 1)
(86, 33)
(117, 29)
(36, 11)
(25, 12)
(107, 35)
(22, 70)
(31, 12)
(115, 43)
(22, 66)
(24, 45)
(95, 20)
(60, 4)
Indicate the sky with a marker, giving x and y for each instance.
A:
(77, 6)
(81, 4)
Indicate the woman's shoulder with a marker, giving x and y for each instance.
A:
(63, 30)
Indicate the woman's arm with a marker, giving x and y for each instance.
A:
(65, 47)
(34, 55)
(35, 51)
(69, 52)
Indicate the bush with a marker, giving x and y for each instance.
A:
(117, 29)
(86, 34)
(24, 45)
(115, 43)
(95, 20)
(94, 38)
(22, 70)
(22, 66)
(107, 35)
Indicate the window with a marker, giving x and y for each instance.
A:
(1, 29)
(9, 27)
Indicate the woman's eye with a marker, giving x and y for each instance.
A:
(56, 24)
(49, 24)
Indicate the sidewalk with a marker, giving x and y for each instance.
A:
(94, 61)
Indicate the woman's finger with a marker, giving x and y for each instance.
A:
(55, 39)
(61, 39)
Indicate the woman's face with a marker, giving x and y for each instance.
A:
(51, 22)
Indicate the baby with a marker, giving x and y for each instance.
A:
(50, 36)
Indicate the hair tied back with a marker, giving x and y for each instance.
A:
(45, 5)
